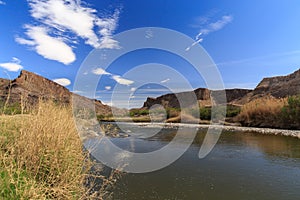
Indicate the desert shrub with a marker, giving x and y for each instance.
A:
(290, 112)
(138, 112)
(264, 112)
(10, 109)
(172, 112)
(205, 113)
(232, 111)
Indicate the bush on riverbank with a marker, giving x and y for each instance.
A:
(262, 112)
(290, 112)
(41, 156)
(271, 112)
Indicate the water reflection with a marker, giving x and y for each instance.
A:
(241, 166)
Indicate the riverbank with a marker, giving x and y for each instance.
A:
(269, 131)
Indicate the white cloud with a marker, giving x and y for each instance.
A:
(122, 81)
(2, 2)
(108, 103)
(24, 41)
(218, 25)
(210, 27)
(62, 81)
(108, 26)
(53, 48)
(100, 71)
(16, 60)
(64, 21)
(71, 15)
(12, 66)
(166, 80)
(132, 89)
(108, 87)
(194, 43)
(77, 91)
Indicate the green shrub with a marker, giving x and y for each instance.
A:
(290, 113)
(172, 112)
(205, 113)
(232, 111)
(10, 109)
(138, 112)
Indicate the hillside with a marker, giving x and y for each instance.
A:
(28, 88)
(277, 87)
(203, 96)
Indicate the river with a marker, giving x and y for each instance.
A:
(243, 165)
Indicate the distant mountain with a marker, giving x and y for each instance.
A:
(28, 88)
(203, 95)
(278, 87)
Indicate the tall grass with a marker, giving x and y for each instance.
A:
(41, 156)
(264, 111)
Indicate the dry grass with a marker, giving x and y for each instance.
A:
(262, 111)
(41, 156)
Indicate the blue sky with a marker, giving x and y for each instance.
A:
(248, 40)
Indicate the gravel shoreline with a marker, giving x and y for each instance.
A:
(269, 131)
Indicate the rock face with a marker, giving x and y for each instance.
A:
(201, 94)
(173, 100)
(280, 86)
(29, 88)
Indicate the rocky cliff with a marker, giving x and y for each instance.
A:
(278, 87)
(28, 88)
(203, 96)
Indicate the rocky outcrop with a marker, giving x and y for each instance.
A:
(173, 100)
(28, 88)
(201, 94)
(279, 86)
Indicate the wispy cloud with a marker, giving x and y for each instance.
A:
(52, 48)
(67, 21)
(110, 103)
(2, 2)
(218, 25)
(121, 80)
(13, 66)
(77, 91)
(270, 59)
(100, 71)
(133, 89)
(62, 81)
(117, 78)
(108, 87)
(209, 27)
(166, 80)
